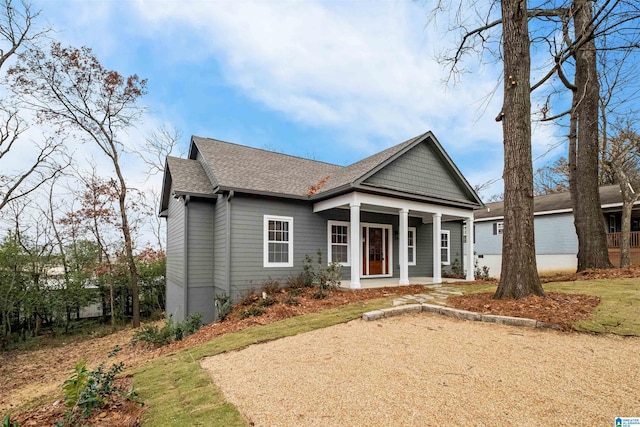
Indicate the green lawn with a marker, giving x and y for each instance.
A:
(179, 392)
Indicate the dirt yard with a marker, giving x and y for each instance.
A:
(409, 371)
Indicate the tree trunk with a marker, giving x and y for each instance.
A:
(587, 209)
(128, 243)
(519, 275)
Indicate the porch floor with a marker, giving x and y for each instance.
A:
(393, 282)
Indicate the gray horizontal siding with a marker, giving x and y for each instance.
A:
(219, 244)
(486, 242)
(455, 241)
(200, 245)
(247, 219)
(175, 259)
(420, 170)
(201, 301)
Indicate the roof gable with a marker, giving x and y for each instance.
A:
(420, 170)
(182, 177)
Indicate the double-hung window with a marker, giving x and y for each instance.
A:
(411, 243)
(278, 241)
(338, 245)
(445, 247)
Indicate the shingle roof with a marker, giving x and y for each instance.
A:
(609, 194)
(241, 167)
(188, 177)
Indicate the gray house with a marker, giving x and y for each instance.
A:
(555, 233)
(238, 215)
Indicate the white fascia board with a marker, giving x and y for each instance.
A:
(355, 198)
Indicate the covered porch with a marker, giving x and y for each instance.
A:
(359, 248)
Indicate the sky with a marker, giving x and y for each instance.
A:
(334, 81)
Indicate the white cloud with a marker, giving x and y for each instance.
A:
(366, 71)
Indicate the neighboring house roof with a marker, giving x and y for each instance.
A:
(215, 165)
(551, 203)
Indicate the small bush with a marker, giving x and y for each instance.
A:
(250, 297)
(87, 390)
(289, 299)
(222, 302)
(294, 291)
(302, 280)
(170, 332)
(271, 286)
(252, 311)
(320, 294)
(267, 302)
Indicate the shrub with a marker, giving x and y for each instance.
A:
(294, 291)
(455, 271)
(170, 332)
(271, 286)
(222, 302)
(481, 273)
(302, 280)
(250, 297)
(289, 299)
(267, 302)
(252, 311)
(87, 390)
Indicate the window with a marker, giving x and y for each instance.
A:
(278, 241)
(444, 247)
(612, 224)
(412, 245)
(338, 245)
(498, 227)
(464, 233)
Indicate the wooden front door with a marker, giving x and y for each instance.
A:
(376, 257)
(375, 244)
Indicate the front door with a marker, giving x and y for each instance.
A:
(375, 249)
(376, 257)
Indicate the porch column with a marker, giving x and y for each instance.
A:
(470, 256)
(356, 242)
(404, 246)
(437, 254)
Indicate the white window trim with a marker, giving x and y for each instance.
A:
(500, 228)
(415, 243)
(331, 223)
(448, 260)
(265, 227)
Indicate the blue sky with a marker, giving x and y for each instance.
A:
(334, 81)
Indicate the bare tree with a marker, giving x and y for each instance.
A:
(18, 31)
(69, 87)
(553, 178)
(623, 159)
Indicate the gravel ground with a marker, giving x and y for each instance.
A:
(432, 371)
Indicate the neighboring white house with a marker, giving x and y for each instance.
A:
(555, 234)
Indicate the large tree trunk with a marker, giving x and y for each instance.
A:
(519, 275)
(587, 210)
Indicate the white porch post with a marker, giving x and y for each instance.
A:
(404, 247)
(355, 240)
(470, 257)
(437, 254)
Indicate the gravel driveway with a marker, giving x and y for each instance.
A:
(428, 370)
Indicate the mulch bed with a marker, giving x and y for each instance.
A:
(558, 308)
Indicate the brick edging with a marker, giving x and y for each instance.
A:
(458, 314)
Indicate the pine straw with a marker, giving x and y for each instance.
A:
(558, 308)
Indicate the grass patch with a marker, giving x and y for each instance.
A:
(617, 312)
(179, 392)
